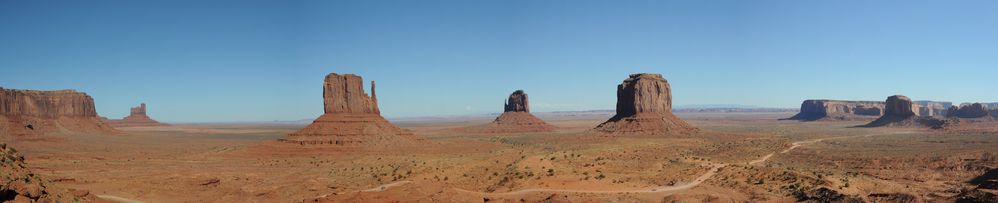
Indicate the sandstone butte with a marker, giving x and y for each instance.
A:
(137, 117)
(644, 107)
(31, 112)
(351, 117)
(900, 111)
(516, 117)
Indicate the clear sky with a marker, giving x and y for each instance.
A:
(197, 61)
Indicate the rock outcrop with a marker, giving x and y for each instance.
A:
(813, 110)
(31, 112)
(351, 117)
(900, 111)
(19, 184)
(516, 118)
(975, 110)
(644, 106)
(136, 118)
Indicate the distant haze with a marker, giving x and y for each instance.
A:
(220, 61)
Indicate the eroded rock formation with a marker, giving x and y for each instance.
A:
(812, 110)
(31, 112)
(516, 118)
(137, 117)
(900, 111)
(351, 117)
(644, 106)
(19, 184)
(975, 110)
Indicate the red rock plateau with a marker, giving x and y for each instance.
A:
(900, 111)
(351, 117)
(30, 112)
(516, 118)
(814, 110)
(644, 106)
(136, 118)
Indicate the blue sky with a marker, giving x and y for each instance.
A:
(204, 61)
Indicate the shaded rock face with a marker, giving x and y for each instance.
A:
(345, 94)
(137, 117)
(351, 117)
(31, 112)
(644, 106)
(900, 111)
(644, 93)
(812, 110)
(899, 105)
(516, 118)
(975, 110)
(517, 102)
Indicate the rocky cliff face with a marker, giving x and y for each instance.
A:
(345, 94)
(644, 106)
(516, 118)
(31, 112)
(900, 105)
(138, 117)
(644, 93)
(811, 110)
(517, 102)
(351, 117)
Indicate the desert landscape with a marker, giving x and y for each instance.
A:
(668, 101)
(644, 153)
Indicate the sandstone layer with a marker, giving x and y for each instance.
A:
(516, 118)
(136, 118)
(900, 111)
(813, 110)
(644, 106)
(30, 112)
(351, 117)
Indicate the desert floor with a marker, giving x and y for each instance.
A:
(735, 156)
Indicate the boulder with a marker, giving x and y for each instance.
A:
(644, 107)
(351, 117)
(137, 117)
(32, 112)
(813, 110)
(19, 183)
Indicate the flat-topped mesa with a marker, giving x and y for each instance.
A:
(517, 102)
(812, 110)
(644, 106)
(351, 117)
(32, 112)
(516, 118)
(137, 117)
(900, 111)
